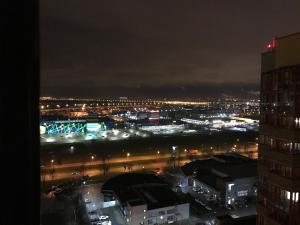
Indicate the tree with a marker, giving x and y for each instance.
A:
(52, 171)
(178, 157)
(105, 164)
(82, 169)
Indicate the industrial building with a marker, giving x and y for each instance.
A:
(279, 148)
(144, 199)
(229, 179)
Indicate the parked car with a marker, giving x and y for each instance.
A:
(208, 208)
(230, 207)
(86, 200)
(103, 217)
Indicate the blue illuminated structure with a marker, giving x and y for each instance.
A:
(64, 127)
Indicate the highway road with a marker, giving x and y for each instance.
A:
(116, 165)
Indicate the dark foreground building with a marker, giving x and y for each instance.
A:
(279, 149)
(228, 220)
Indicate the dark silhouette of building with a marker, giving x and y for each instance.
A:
(19, 107)
(279, 149)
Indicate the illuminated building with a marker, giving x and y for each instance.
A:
(279, 149)
(159, 129)
(229, 179)
(144, 199)
(154, 115)
(63, 127)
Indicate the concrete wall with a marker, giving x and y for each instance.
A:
(287, 50)
(184, 210)
(168, 214)
(137, 214)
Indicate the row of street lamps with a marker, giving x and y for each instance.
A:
(173, 152)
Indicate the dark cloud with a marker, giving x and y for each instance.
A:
(120, 45)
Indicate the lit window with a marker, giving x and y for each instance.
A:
(295, 197)
(229, 186)
(297, 122)
(288, 195)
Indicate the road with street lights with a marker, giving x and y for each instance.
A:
(130, 162)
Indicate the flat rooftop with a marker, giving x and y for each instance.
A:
(138, 189)
(227, 167)
(131, 179)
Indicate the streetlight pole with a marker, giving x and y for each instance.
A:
(174, 156)
(52, 168)
(128, 154)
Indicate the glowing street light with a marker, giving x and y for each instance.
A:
(52, 171)
(158, 152)
(92, 157)
(128, 154)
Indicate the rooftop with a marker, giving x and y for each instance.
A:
(138, 189)
(131, 179)
(225, 167)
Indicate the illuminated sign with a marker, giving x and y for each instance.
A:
(92, 126)
(242, 193)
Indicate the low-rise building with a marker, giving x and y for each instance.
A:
(145, 199)
(229, 178)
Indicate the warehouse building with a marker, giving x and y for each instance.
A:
(229, 179)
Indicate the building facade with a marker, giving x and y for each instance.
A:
(140, 214)
(144, 199)
(229, 179)
(279, 148)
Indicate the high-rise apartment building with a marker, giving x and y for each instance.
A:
(279, 149)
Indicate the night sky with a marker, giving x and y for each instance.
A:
(158, 48)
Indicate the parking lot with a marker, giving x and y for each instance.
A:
(216, 208)
(93, 213)
(94, 207)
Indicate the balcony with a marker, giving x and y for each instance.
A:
(285, 183)
(279, 155)
(292, 135)
(271, 218)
